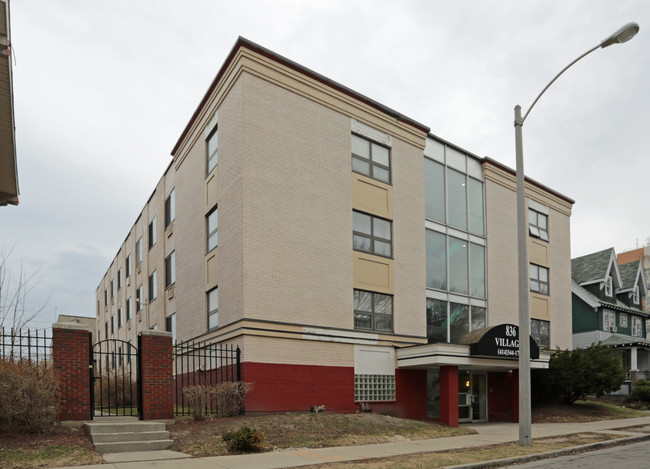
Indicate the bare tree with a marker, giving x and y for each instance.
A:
(15, 309)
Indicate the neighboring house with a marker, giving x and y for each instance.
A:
(607, 309)
(351, 255)
(642, 254)
(8, 166)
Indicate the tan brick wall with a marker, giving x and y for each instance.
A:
(302, 352)
(560, 279)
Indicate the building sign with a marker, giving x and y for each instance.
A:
(502, 341)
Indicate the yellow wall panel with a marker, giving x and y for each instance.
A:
(373, 273)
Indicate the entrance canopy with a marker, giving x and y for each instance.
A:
(488, 348)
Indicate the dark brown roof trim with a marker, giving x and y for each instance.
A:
(242, 42)
(507, 169)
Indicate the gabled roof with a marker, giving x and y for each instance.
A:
(632, 275)
(594, 268)
(594, 302)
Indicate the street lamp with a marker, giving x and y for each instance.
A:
(624, 34)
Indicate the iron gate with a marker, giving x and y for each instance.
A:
(115, 379)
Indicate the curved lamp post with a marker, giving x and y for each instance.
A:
(624, 34)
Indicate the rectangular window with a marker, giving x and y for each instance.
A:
(372, 234)
(477, 270)
(449, 322)
(436, 252)
(213, 309)
(458, 322)
(370, 159)
(128, 308)
(609, 289)
(436, 321)
(538, 224)
(635, 295)
(458, 270)
(213, 229)
(106, 329)
(637, 327)
(152, 232)
(119, 318)
(475, 196)
(138, 250)
(170, 269)
(539, 279)
(434, 191)
(622, 318)
(374, 388)
(170, 325)
(153, 290)
(609, 321)
(105, 297)
(212, 145)
(373, 311)
(540, 332)
(170, 208)
(119, 278)
(112, 289)
(457, 199)
(128, 265)
(138, 299)
(112, 324)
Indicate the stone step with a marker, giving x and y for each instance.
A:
(129, 427)
(129, 436)
(129, 446)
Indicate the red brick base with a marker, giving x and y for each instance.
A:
(71, 358)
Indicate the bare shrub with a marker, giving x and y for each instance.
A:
(231, 397)
(29, 395)
(116, 390)
(199, 398)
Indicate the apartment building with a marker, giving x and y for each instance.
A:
(352, 255)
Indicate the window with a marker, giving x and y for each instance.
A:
(105, 297)
(434, 191)
(538, 224)
(622, 319)
(373, 388)
(609, 290)
(436, 252)
(112, 289)
(213, 231)
(170, 208)
(212, 147)
(373, 311)
(458, 273)
(372, 234)
(609, 321)
(153, 290)
(106, 329)
(637, 327)
(170, 269)
(128, 308)
(457, 199)
(540, 332)
(170, 325)
(152, 232)
(449, 322)
(138, 299)
(119, 278)
(128, 266)
(539, 279)
(112, 324)
(119, 318)
(635, 295)
(154, 327)
(138, 250)
(213, 309)
(370, 159)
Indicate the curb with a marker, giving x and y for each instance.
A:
(552, 454)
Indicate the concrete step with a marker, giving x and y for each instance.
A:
(129, 427)
(128, 446)
(129, 436)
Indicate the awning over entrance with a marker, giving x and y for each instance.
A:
(488, 348)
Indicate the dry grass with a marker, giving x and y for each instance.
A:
(305, 430)
(471, 455)
(583, 411)
(54, 447)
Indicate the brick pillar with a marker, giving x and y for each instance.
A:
(156, 375)
(71, 360)
(449, 395)
(515, 395)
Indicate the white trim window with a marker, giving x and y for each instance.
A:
(609, 320)
(538, 224)
(370, 159)
(637, 327)
(609, 287)
(539, 279)
(635, 295)
(622, 319)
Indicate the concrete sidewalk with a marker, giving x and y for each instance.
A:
(488, 434)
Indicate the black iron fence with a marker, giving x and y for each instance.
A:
(115, 378)
(203, 364)
(32, 345)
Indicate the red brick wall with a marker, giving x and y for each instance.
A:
(449, 395)
(156, 375)
(629, 256)
(500, 405)
(71, 357)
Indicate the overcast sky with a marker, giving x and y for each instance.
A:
(103, 90)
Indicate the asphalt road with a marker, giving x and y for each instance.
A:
(634, 456)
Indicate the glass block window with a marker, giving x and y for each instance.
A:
(374, 388)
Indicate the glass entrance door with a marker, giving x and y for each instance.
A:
(472, 396)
